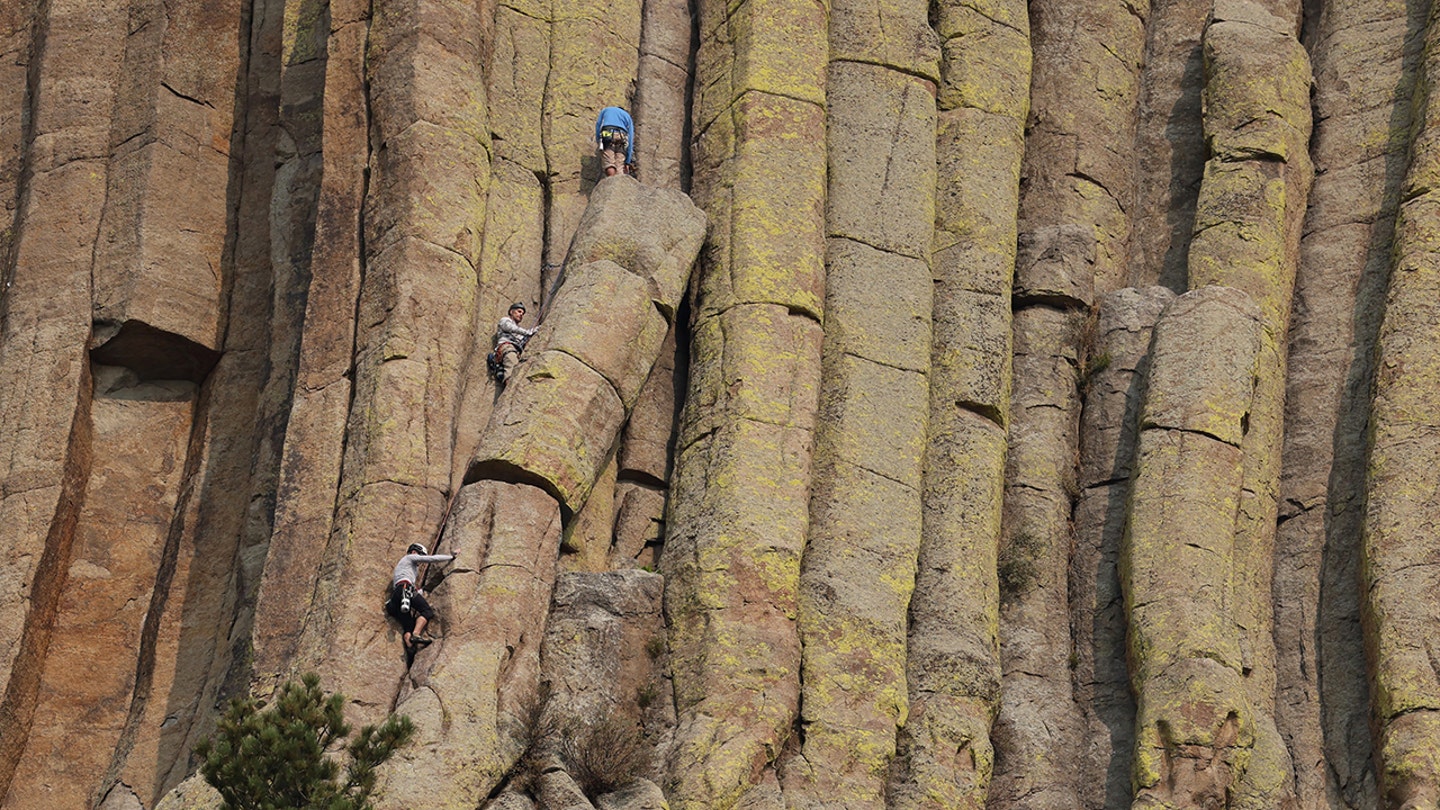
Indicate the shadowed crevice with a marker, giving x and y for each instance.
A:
(153, 354)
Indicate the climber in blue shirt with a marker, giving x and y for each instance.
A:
(615, 135)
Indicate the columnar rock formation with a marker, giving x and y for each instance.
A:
(1033, 409)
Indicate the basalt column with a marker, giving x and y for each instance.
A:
(1365, 56)
(145, 228)
(1196, 725)
(741, 490)
(550, 436)
(952, 669)
(858, 567)
(518, 54)
(170, 285)
(424, 208)
(662, 135)
(662, 94)
(196, 642)
(16, 32)
(46, 306)
(1247, 236)
(1077, 182)
(594, 58)
(1169, 142)
(325, 125)
(46, 408)
(1112, 384)
(1401, 562)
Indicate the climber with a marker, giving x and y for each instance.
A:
(510, 338)
(614, 134)
(407, 602)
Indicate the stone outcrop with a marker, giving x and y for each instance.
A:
(1247, 235)
(552, 429)
(742, 470)
(1195, 723)
(926, 491)
(1344, 260)
(858, 564)
(1112, 385)
(952, 656)
(1398, 563)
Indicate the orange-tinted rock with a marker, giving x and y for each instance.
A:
(119, 544)
(44, 399)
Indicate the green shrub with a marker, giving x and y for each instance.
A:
(1017, 564)
(273, 758)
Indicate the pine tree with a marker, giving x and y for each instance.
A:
(274, 758)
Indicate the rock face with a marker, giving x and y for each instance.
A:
(1034, 410)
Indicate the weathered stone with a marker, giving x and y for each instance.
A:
(857, 570)
(1248, 219)
(192, 794)
(159, 255)
(1113, 382)
(662, 131)
(314, 434)
(44, 398)
(892, 34)
(651, 232)
(1078, 167)
(603, 652)
(16, 36)
(281, 154)
(883, 314)
(952, 656)
(603, 317)
(639, 521)
(1113, 387)
(1195, 725)
(764, 160)
(511, 800)
(642, 794)
(119, 541)
(520, 58)
(1076, 177)
(415, 309)
(883, 120)
(590, 533)
(1192, 385)
(1055, 264)
(1038, 723)
(1169, 133)
(556, 422)
(1339, 288)
(732, 554)
(1398, 550)
(594, 56)
(555, 789)
(646, 446)
(492, 607)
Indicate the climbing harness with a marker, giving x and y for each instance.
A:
(613, 137)
(493, 361)
(407, 590)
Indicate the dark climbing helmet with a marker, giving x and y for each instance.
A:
(416, 548)
(517, 305)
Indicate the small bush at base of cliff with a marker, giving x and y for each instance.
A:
(605, 755)
(268, 758)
